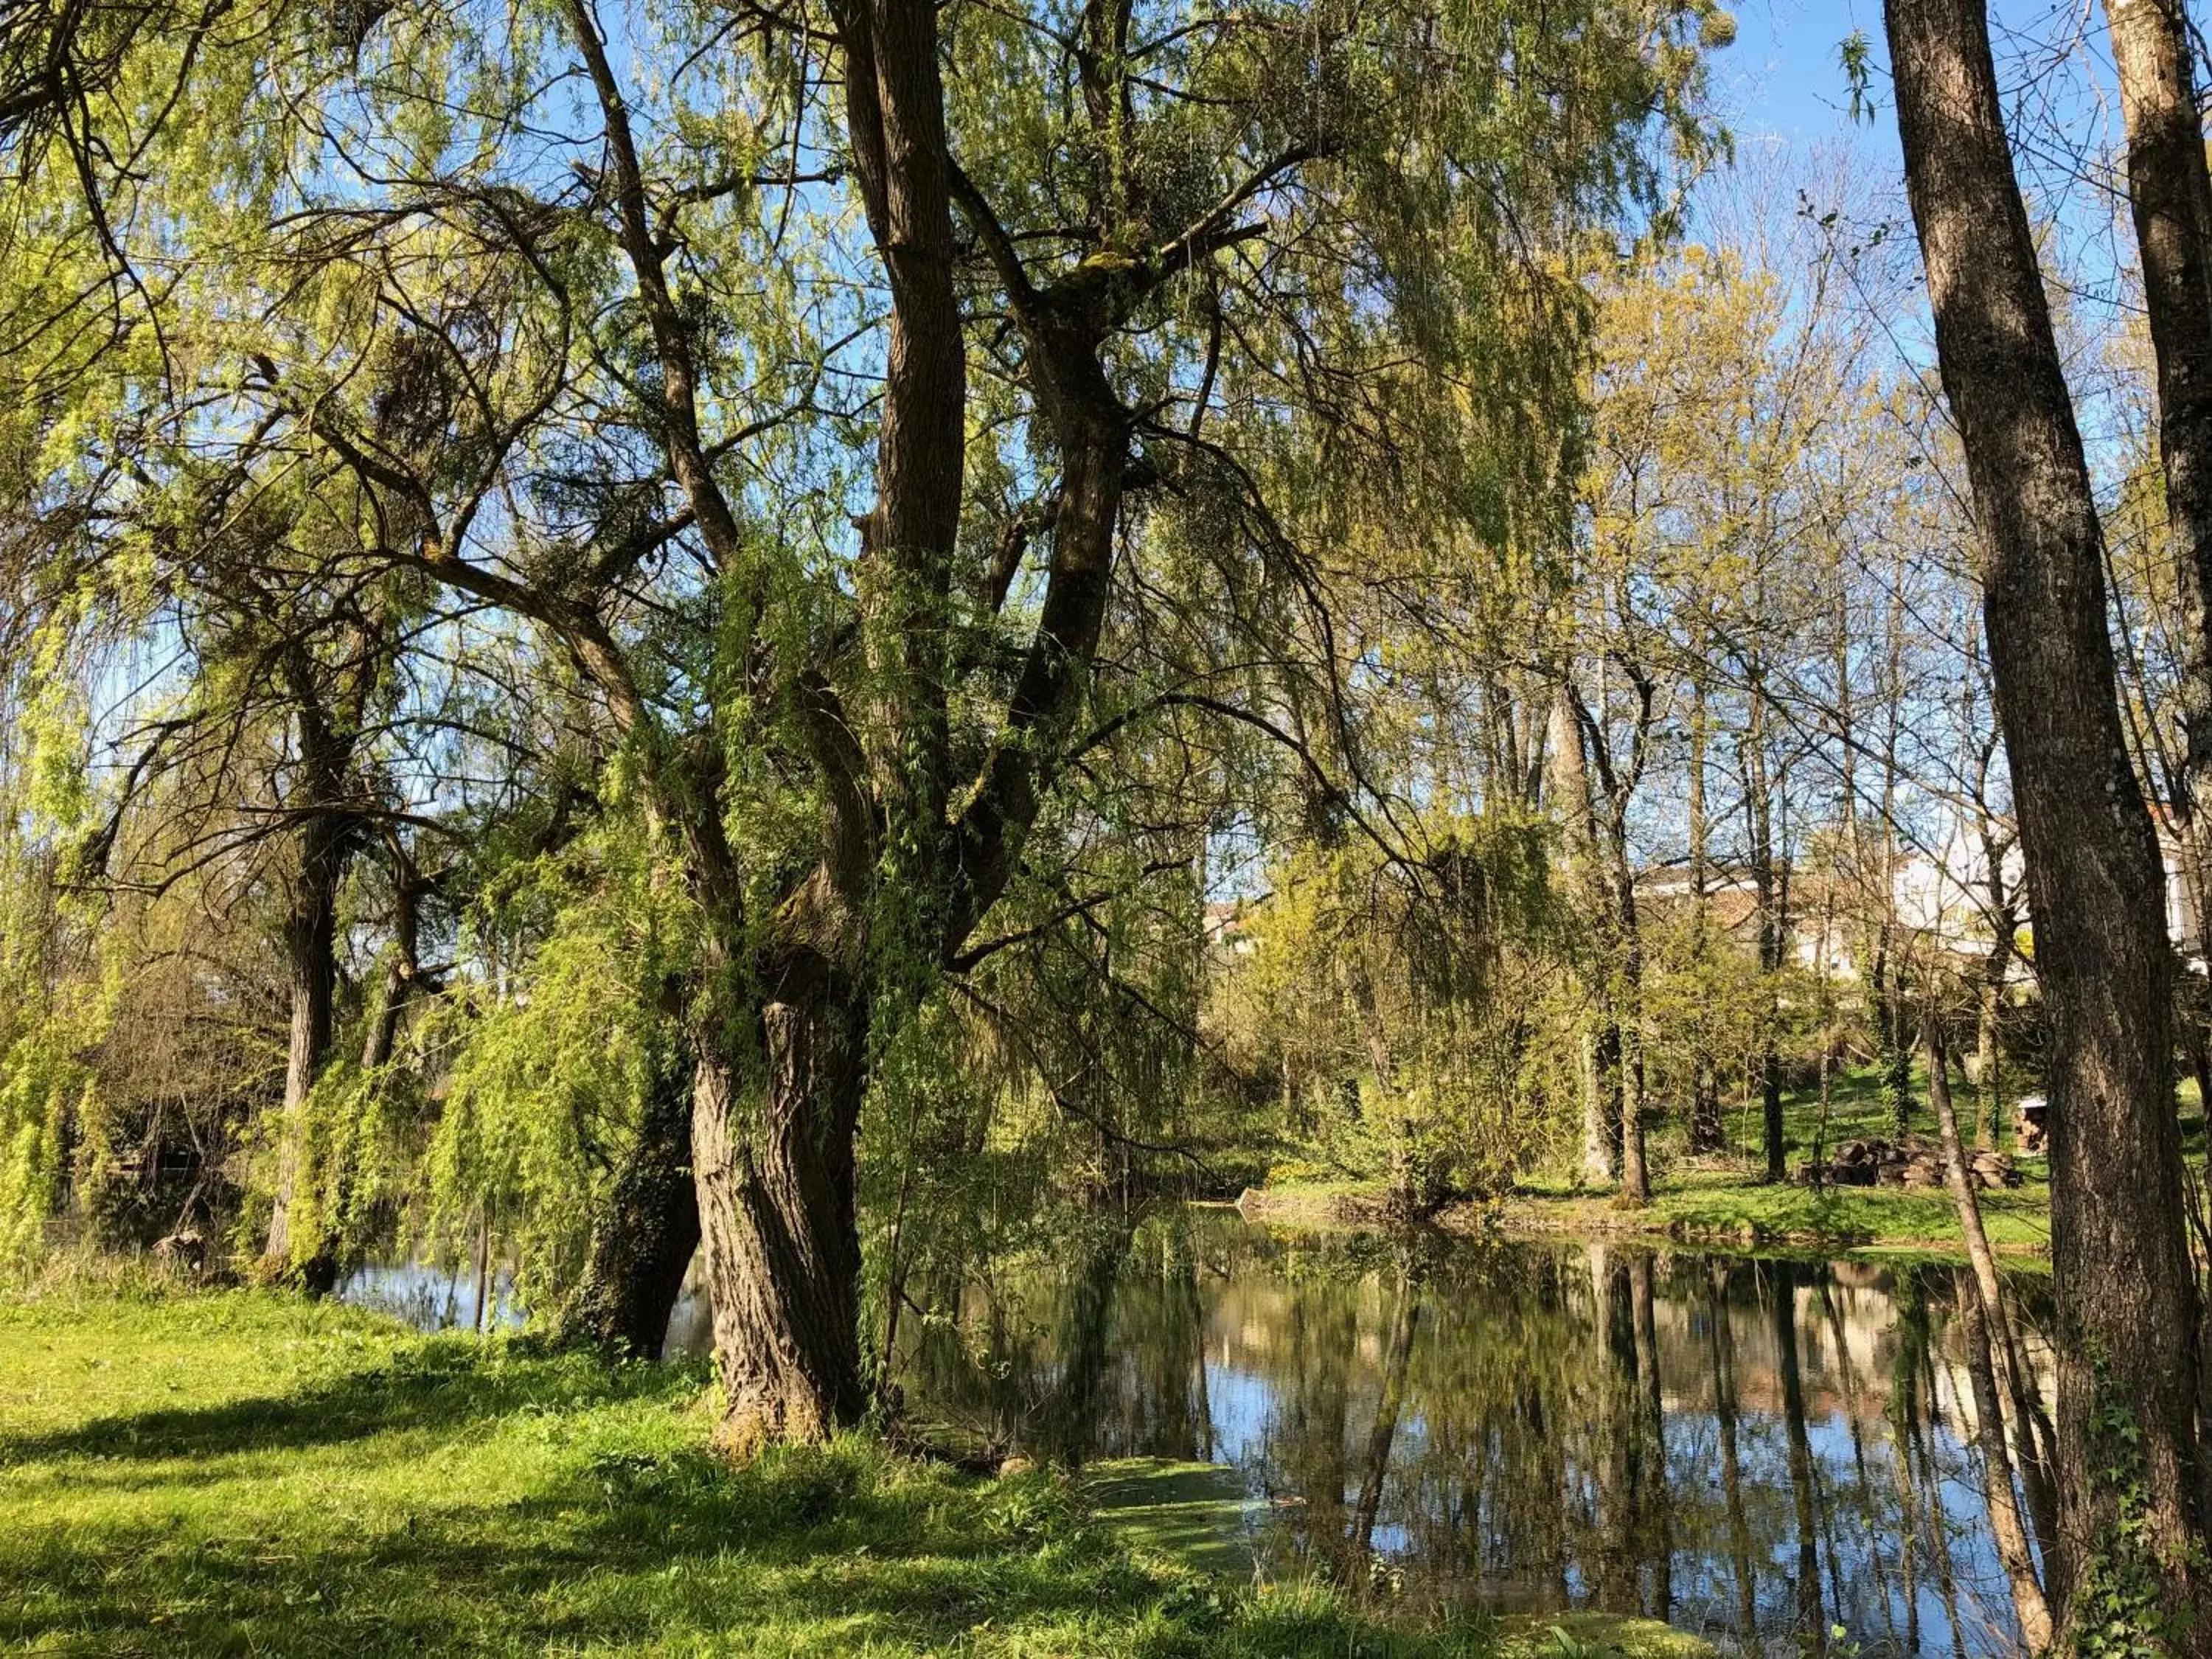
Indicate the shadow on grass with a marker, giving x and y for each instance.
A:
(440, 1384)
(805, 1550)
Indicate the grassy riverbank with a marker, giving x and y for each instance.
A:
(1726, 1200)
(241, 1471)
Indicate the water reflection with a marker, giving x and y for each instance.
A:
(1760, 1450)
(1757, 1450)
(432, 1299)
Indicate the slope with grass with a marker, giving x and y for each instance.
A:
(240, 1472)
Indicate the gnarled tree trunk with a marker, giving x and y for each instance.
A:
(772, 1156)
(643, 1240)
(311, 966)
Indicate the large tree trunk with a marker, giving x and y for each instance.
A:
(2127, 1340)
(311, 965)
(772, 1156)
(642, 1243)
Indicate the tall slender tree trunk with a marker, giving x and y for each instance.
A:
(2170, 193)
(1758, 809)
(2032, 1432)
(1708, 1132)
(1635, 1174)
(1383, 1434)
(1571, 797)
(2127, 1305)
(1812, 1626)
(1720, 1339)
(403, 974)
(1989, 1000)
(1651, 1440)
(1612, 1570)
(1981, 1309)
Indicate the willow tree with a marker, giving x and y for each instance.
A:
(868, 528)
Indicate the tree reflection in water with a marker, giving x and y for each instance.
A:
(1755, 1448)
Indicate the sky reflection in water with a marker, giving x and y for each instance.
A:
(1757, 1448)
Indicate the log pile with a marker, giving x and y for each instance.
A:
(1913, 1161)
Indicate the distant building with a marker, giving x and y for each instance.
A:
(1940, 896)
(1225, 928)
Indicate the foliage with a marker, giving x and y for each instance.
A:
(1391, 1003)
(2120, 1608)
(544, 1064)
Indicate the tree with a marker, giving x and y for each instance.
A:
(2170, 196)
(2127, 1300)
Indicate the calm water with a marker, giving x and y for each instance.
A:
(432, 1298)
(1757, 1450)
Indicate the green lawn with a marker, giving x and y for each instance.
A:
(1726, 1197)
(246, 1473)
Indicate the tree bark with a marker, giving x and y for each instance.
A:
(1758, 809)
(1989, 1000)
(1980, 1309)
(1570, 796)
(1635, 1173)
(643, 1240)
(2032, 1430)
(311, 965)
(772, 1158)
(403, 974)
(2170, 193)
(2127, 1305)
(1708, 1132)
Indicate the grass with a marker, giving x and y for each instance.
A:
(1726, 1197)
(241, 1471)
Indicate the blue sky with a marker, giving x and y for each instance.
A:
(1782, 86)
(1782, 78)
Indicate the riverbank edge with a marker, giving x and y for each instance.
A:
(1360, 1207)
(192, 1388)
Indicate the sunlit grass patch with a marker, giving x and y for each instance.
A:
(242, 1472)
